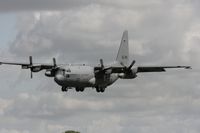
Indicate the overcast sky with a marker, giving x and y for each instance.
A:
(161, 32)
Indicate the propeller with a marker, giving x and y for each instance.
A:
(133, 62)
(101, 63)
(31, 65)
(53, 70)
(128, 69)
(54, 62)
(36, 68)
(31, 74)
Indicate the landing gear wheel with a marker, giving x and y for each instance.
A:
(97, 89)
(102, 89)
(79, 89)
(64, 89)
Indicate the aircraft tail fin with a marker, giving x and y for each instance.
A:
(123, 52)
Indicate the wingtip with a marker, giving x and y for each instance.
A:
(188, 67)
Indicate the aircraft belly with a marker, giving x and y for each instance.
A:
(113, 78)
(106, 81)
(75, 80)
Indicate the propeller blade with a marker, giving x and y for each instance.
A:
(31, 60)
(133, 62)
(101, 62)
(31, 65)
(54, 62)
(31, 74)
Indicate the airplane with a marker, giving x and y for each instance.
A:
(98, 77)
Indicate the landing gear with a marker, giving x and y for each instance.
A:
(64, 89)
(77, 89)
(100, 89)
(81, 89)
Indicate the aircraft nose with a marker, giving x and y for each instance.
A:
(59, 78)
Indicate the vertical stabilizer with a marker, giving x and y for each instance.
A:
(123, 53)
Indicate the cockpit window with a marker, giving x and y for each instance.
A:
(62, 71)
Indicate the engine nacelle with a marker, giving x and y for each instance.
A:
(129, 75)
(49, 73)
(36, 68)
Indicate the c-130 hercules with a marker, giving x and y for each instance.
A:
(99, 77)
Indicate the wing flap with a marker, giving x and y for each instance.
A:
(158, 68)
(140, 69)
(151, 69)
(112, 69)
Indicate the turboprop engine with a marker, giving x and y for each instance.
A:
(49, 73)
(131, 74)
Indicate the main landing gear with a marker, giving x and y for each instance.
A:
(81, 89)
(78, 89)
(100, 89)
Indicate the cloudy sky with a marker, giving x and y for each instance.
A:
(161, 32)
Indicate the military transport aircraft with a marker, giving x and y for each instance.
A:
(99, 77)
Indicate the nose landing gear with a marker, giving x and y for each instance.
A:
(64, 89)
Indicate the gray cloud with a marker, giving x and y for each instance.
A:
(75, 30)
(49, 5)
(29, 5)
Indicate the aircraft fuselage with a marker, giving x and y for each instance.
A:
(82, 76)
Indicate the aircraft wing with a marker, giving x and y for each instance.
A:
(12, 63)
(26, 65)
(33, 67)
(141, 69)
